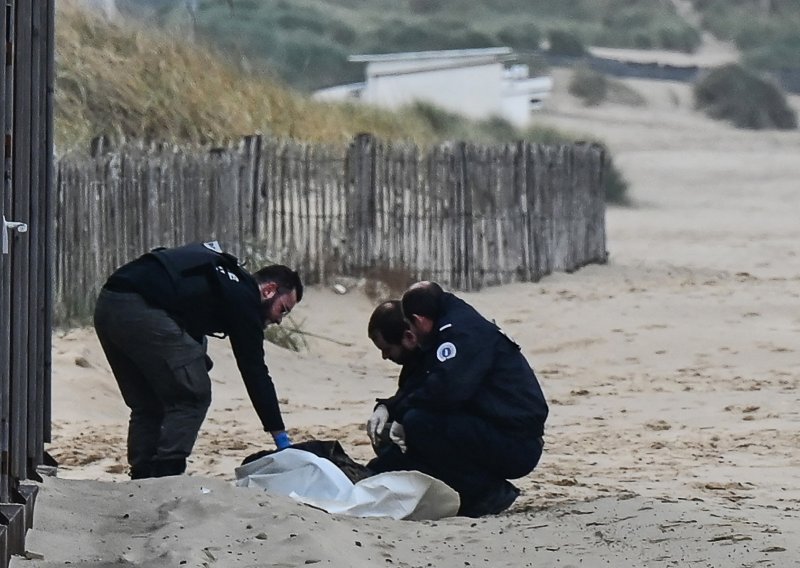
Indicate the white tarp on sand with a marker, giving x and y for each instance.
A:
(316, 481)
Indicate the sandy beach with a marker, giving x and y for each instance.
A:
(672, 373)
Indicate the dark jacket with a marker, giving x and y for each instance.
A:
(411, 377)
(207, 293)
(472, 366)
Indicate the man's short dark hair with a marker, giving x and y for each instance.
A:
(387, 319)
(286, 279)
(423, 299)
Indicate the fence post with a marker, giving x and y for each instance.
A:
(360, 176)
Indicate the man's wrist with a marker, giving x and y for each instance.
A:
(281, 439)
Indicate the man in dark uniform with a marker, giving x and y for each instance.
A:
(152, 318)
(476, 416)
(390, 333)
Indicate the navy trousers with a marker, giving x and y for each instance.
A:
(467, 452)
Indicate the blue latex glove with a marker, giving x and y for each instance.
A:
(282, 440)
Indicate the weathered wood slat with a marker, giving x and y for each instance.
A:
(5, 271)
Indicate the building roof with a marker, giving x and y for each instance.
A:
(423, 55)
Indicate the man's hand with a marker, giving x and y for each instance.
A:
(376, 423)
(397, 434)
(281, 439)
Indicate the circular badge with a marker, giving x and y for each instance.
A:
(446, 351)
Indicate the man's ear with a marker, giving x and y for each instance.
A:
(409, 338)
(268, 290)
(421, 323)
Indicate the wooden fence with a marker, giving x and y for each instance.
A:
(26, 86)
(464, 215)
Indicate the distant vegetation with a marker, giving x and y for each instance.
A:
(588, 85)
(124, 83)
(594, 88)
(767, 32)
(740, 96)
(563, 42)
(307, 42)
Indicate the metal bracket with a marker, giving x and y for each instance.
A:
(11, 226)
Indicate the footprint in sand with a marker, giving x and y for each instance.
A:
(658, 425)
(574, 344)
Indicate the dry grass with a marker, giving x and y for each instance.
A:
(124, 82)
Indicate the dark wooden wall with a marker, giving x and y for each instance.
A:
(26, 86)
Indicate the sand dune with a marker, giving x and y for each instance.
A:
(672, 373)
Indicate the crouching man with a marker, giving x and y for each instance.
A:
(469, 409)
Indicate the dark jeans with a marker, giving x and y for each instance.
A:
(465, 451)
(162, 375)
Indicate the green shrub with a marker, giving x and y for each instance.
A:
(616, 186)
(620, 93)
(300, 21)
(783, 52)
(547, 135)
(735, 94)
(588, 85)
(316, 59)
(563, 42)
(522, 36)
(342, 33)
(469, 39)
(497, 129)
(398, 35)
(424, 6)
(676, 38)
(642, 40)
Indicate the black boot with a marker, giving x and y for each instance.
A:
(164, 468)
(491, 501)
(141, 471)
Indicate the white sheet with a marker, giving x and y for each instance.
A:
(316, 481)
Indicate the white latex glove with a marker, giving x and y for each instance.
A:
(397, 434)
(376, 424)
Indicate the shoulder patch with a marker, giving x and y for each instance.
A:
(445, 326)
(445, 351)
(213, 245)
(225, 272)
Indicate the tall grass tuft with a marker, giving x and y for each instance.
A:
(125, 83)
(588, 85)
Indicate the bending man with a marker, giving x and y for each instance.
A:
(152, 318)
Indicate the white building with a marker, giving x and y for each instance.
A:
(472, 82)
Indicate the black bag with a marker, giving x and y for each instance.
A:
(331, 450)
